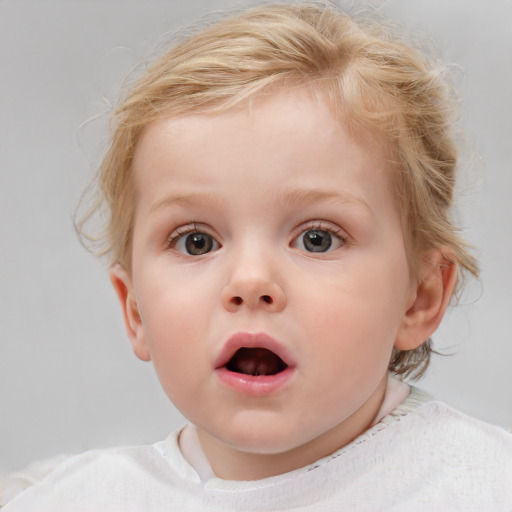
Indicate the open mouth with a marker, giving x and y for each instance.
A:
(255, 364)
(256, 361)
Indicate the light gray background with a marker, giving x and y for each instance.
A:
(68, 380)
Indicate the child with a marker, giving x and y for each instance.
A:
(279, 189)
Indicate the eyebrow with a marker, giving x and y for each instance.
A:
(187, 199)
(303, 197)
(293, 198)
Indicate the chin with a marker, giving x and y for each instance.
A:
(263, 438)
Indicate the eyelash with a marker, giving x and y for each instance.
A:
(181, 232)
(329, 228)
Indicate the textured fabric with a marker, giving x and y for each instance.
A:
(425, 456)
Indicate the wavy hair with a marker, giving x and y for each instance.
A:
(366, 72)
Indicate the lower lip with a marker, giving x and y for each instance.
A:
(260, 385)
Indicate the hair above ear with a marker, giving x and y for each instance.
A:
(122, 283)
(432, 295)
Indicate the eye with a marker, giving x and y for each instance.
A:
(318, 240)
(195, 243)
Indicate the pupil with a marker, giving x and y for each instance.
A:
(198, 243)
(317, 240)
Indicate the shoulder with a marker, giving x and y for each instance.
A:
(453, 451)
(113, 478)
(444, 423)
(426, 456)
(444, 432)
(424, 422)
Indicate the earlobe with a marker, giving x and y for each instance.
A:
(122, 283)
(430, 301)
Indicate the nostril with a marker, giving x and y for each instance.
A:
(238, 301)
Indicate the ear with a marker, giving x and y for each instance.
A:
(121, 280)
(438, 276)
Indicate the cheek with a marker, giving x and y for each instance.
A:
(169, 295)
(170, 315)
(176, 342)
(360, 308)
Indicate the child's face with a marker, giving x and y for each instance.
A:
(272, 228)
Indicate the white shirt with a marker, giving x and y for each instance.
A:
(424, 456)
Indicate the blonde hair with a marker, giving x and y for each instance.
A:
(362, 70)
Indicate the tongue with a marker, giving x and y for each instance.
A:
(256, 361)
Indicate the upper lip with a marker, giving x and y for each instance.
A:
(250, 340)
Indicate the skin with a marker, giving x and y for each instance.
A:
(255, 180)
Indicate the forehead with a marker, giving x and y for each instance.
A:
(288, 137)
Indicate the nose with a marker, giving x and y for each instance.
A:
(253, 286)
